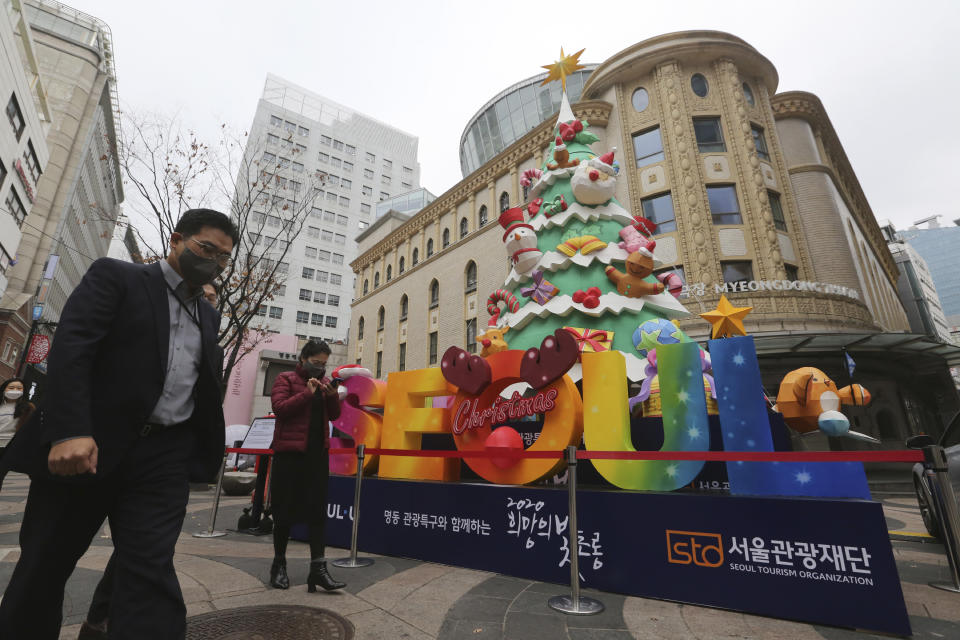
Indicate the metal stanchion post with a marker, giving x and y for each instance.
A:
(574, 604)
(945, 504)
(353, 561)
(210, 532)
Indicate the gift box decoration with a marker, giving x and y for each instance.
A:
(592, 340)
(542, 289)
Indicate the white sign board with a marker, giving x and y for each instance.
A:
(260, 435)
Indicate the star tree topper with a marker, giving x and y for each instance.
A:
(563, 67)
(727, 320)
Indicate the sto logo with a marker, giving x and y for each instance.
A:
(694, 547)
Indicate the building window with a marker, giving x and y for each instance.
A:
(379, 364)
(723, 204)
(316, 320)
(385, 179)
(330, 322)
(360, 329)
(310, 252)
(648, 147)
(269, 159)
(338, 258)
(350, 149)
(740, 271)
(709, 135)
(433, 347)
(275, 121)
(640, 99)
(15, 207)
(368, 174)
(324, 158)
(320, 297)
(366, 190)
(384, 196)
(323, 256)
(370, 157)
(777, 210)
(344, 201)
(504, 201)
(760, 141)
(659, 210)
(402, 364)
(335, 279)
(464, 228)
(434, 294)
(471, 279)
(348, 166)
(322, 276)
(748, 94)
(289, 127)
(262, 310)
(303, 131)
(389, 272)
(338, 145)
(472, 335)
(429, 247)
(381, 318)
(376, 280)
(340, 239)
(329, 216)
(306, 294)
(15, 116)
(446, 238)
(303, 317)
(333, 301)
(699, 85)
(387, 165)
(416, 256)
(342, 220)
(793, 273)
(313, 232)
(276, 312)
(402, 265)
(298, 168)
(33, 165)
(482, 216)
(366, 286)
(403, 308)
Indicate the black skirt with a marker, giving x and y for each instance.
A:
(298, 483)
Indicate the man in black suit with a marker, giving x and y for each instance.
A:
(132, 414)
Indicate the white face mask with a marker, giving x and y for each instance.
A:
(13, 394)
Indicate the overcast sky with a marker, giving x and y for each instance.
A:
(885, 71)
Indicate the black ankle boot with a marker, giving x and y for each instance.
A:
(278, 574)
(320, 576)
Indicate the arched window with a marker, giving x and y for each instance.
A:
(504, 201)
(429, 247)
(471, 279)
(376, 280)
(360, 329)
(434, 294)
(366, 286)
(381, 315)
(403, 308)
(464, 228)
(403, 264)
(446, 238)
(482, 216)
(389, 272)
(416, 256)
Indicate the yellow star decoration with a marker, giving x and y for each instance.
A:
(727, 320)
(563, 67)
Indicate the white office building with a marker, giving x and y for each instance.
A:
(364, 162)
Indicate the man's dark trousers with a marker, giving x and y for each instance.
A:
(145, 499)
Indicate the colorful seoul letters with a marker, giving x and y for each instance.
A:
(600, 418)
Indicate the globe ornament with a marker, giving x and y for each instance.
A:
(654, 333)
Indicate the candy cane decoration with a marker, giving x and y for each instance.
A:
(510, 303)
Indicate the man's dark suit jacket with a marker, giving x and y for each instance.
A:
(106, 371)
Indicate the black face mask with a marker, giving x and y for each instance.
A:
(198, 271)
(315, 370)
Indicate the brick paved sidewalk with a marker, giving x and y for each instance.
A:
(401, 598)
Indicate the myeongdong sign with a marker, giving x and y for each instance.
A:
(698, 289)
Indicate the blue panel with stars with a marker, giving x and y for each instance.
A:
(743, 418)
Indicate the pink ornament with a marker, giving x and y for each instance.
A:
(671, 282)
(529, 177)
(504, 438)
(633, 240)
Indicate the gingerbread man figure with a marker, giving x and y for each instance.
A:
(639, 265)
(561, 157)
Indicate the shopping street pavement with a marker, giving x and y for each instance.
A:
(409, 599)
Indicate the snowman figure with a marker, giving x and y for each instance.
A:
(520, 240)
(595, 181)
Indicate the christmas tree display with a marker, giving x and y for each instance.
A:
(581, 261)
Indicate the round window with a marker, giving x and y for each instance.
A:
(640, 99)
(699, 85)
(748, 94)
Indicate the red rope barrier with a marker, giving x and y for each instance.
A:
(730, 456)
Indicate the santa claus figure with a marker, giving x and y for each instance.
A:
(595, 181)
(520, 240)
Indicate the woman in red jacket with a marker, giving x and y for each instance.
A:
(303, 401)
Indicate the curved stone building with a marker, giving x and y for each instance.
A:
(753, 197)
